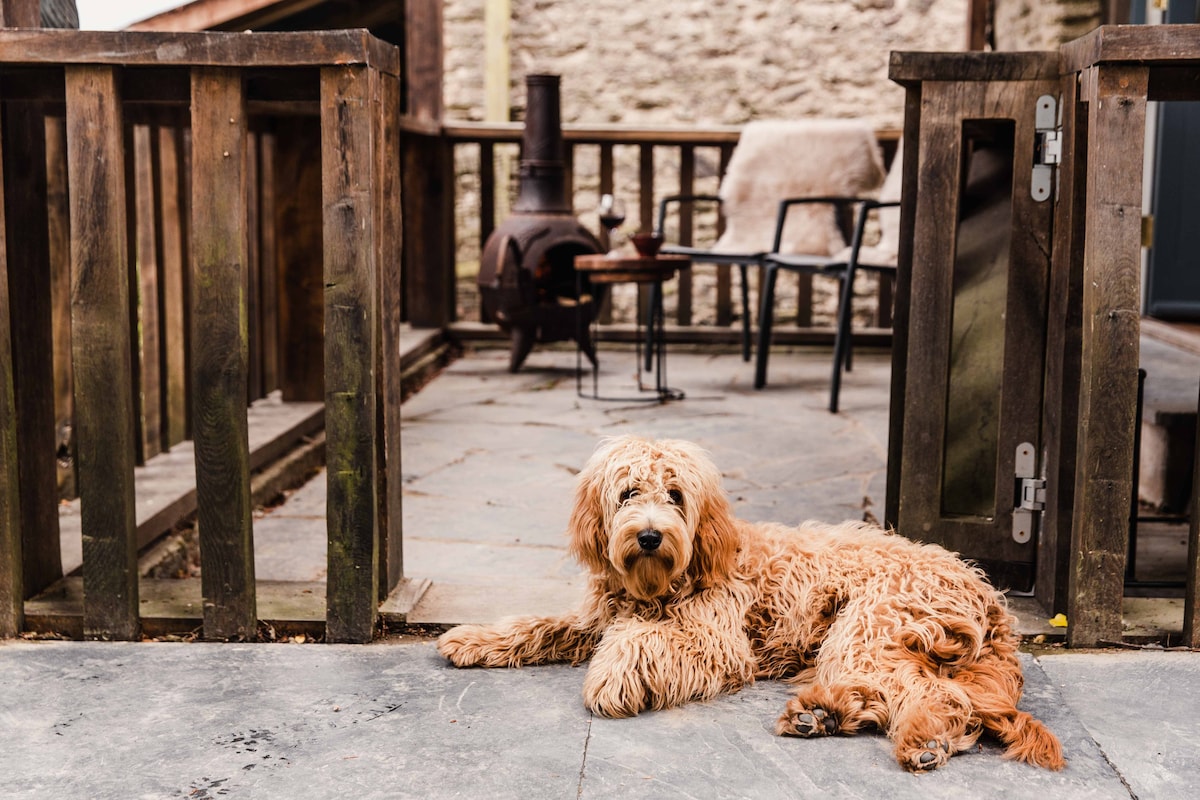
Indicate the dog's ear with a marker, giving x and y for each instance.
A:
(715, 549)
(585, 529)
(716, 543)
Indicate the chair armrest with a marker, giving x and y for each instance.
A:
(679, 198)
(786, 204)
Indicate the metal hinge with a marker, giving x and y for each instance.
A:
(1047, 148)
(1029, 493)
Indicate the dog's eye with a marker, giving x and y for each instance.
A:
(676, 497)
(628, 495)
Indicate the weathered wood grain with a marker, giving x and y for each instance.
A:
(423, 52)
(1109, 354)
(172, 224)
(137, 48)
(687, 185)
(268, 262)
(389, 393)
(101, 350)
(298, 239)
(1060, 416)
(58, 214)
(144, 235)
(219, 352)
(351, 351)
(12, 583)
(1150, 45)
(1191, 601)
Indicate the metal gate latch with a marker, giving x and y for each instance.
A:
(1029, 495)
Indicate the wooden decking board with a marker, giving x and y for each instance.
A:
(165, 487)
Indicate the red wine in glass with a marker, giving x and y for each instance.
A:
(611, 212)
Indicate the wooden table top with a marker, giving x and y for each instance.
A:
(635, 269)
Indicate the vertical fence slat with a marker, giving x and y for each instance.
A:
(12, 592)
(172, 241)
(254, 387)
(219, 353)
(391, 298)
(59, 226)
(101, 350)
(298, 242)
(606, 187)
(268, 263)
(687, 185)
(146, 275)
(32, 332)
(351, 310)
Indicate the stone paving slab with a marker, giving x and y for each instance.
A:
(396, 721)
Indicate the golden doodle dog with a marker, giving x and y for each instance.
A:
(686, 602)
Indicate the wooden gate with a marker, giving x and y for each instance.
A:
(971, 304)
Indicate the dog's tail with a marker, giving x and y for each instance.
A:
(1028, 740)
(994, 686)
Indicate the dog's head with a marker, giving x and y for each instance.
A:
(651, 514)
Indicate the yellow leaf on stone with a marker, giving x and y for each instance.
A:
(1059, 621)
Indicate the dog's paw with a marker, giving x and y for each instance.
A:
(466, 646)
(806, 722)
(609, 695)
(926, 757)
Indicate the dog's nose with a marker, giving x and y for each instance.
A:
(649, 539)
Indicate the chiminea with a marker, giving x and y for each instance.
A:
(527, 278)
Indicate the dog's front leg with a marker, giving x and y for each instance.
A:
(519, 641)
(640, 664)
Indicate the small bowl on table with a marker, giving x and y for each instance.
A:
(647, 244)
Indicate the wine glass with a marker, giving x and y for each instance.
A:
(612, 214)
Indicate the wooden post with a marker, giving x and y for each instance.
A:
(351, 350)
(12, 584)
(219, 353)
(391, 303)
(101, 349)
(1060, 416)
(1116, 98)
(1191, 603)
(20, 13)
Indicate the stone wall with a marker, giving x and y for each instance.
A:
(703, 62)
(1043, 24)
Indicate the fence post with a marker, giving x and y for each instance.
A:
(351, 350)
(101, 352)
(12, 587)
(219, 353)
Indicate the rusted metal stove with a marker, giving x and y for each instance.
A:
(527, 279)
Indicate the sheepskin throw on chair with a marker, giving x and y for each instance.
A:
(776, 159)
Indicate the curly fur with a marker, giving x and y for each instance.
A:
(875, 629)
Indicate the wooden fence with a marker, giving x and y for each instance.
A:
(266, 163)
(646, 163)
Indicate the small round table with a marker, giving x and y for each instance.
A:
(655, 270)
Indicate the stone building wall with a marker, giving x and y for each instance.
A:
(703, 62)
(1042, 24)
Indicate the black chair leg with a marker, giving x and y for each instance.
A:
(745, 313)
(841, 339)
(766, 313)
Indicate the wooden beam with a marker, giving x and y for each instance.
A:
(1191, 602)
(351, 351)
(284, 49)
(219, 352)
(101, 349)
(1116, 98)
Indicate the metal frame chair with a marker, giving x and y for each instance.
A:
(843, 266)
(708, 256)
